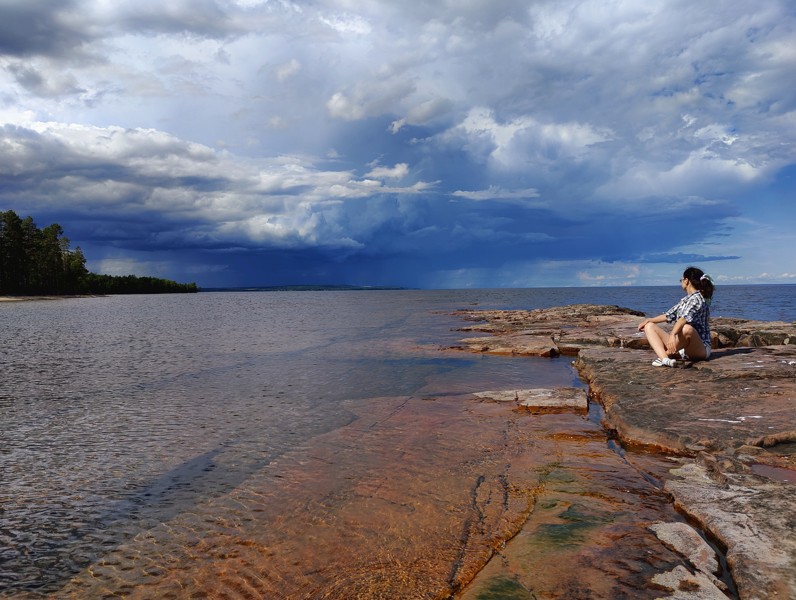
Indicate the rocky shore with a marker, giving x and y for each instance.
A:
(728, 424)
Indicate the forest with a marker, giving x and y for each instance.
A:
(37, 261)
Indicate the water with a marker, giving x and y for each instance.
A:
(136, 429)
(760, 302)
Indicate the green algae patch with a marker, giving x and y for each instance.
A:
(559, 475)
(572, 531)
(504, 588)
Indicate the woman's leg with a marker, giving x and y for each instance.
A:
(657, 338)
(689, 340)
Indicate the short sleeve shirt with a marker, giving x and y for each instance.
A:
(696, 313)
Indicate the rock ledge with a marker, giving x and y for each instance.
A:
(730, 420)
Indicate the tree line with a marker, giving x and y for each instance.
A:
(37, 261)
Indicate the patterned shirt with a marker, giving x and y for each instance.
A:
(696, 313)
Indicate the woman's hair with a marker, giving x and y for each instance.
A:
(700, 281)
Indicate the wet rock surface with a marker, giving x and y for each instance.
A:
(730, 421)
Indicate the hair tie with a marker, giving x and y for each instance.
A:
(706, 277)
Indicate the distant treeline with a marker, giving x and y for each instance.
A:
(37, 261)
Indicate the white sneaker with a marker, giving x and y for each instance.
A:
(664, 362)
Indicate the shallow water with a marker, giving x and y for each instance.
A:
(298, 444)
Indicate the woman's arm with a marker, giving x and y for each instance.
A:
(658, 319)
(671, 344)
(678, 326)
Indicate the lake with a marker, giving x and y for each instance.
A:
(298, 444)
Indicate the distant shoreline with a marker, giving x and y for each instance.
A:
(302, 288)
(29, 298)
(45, 297)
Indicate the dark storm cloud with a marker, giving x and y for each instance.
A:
(206, 18)
(42, 27)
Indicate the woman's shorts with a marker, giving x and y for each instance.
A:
(707, 353)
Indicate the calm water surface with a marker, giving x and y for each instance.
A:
(121, 413)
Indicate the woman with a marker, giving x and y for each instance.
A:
(690, 336)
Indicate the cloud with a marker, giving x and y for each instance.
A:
(497, 193)
(187, 194)
(682, 258)
(347, 24)
(368, 99)
(423, 113)
(288, 69)
(399, 171)
(130, 266)
(37, 27)
(756, 278)
(523, 142)
(437, 139)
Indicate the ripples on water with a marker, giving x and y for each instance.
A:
(121, 414)
(116, 410)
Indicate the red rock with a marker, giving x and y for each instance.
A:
(731, 418)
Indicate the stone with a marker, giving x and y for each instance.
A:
(754, 518)
(554, 398)
(578, 326)
(688, 586)
(730, 420)
(737, 397)
(540, 398)
(512, 344)
(714, 413)
(685, 540)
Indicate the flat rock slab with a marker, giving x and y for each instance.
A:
(541, 398)
(570, 329)
(734, 414)
(685, 585)
(519, 344)
(754, 518)
(741, 396)
(732, 419)
(684, 539)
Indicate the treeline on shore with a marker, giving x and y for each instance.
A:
(37, 261)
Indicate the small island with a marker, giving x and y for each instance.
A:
(39, 262)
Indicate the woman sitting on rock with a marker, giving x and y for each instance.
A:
(690, 336)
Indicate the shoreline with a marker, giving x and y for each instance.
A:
(45, 297)
(28, 298)
(726, 423)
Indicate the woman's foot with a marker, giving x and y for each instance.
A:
(664, 362)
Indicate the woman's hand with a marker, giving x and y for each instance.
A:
(643, 324)
(671, 344)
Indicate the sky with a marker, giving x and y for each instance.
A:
(434, 144)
